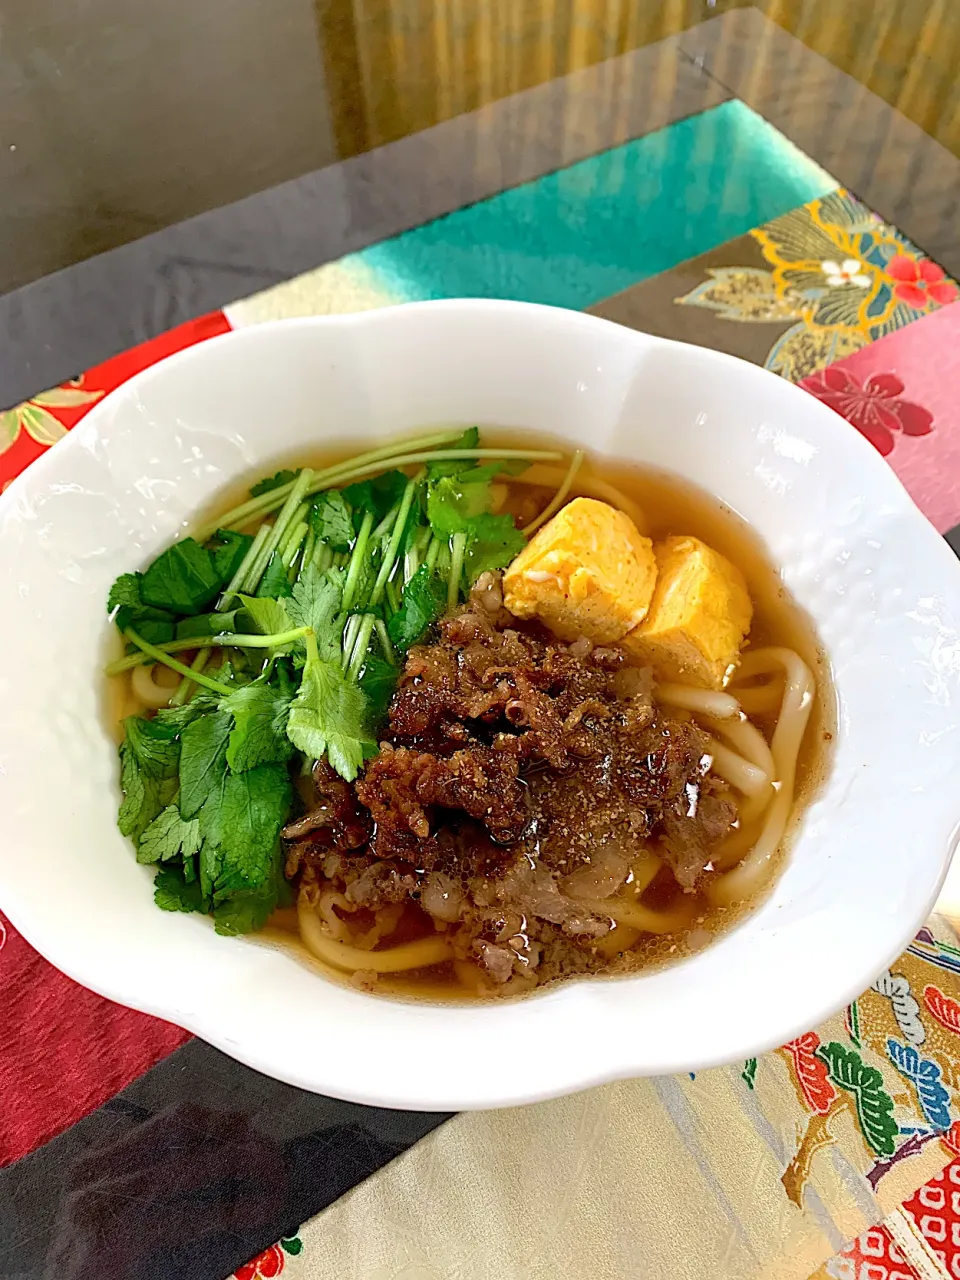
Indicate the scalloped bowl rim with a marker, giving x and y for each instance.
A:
(881, 585)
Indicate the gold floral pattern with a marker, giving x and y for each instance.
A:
(841, 274)
(33, 416)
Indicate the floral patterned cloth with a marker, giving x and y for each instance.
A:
(875, 406)
(272, 1262)
(842, 276)
(795, 294)
(901, 393)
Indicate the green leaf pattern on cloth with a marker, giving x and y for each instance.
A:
(847, 1070)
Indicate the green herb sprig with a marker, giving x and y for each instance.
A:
(294, 612)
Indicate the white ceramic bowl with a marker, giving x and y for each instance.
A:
(882, 587)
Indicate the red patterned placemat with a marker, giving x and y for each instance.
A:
(72, 1049)
(921, 1241)
(901, 392)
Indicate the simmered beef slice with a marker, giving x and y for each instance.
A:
(333, 818)
(410, 792)
(615, 800)
(692, 826)
(486, 682)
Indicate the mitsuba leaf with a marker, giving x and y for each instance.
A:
(423, 602)
(172, 892)
(232, 672)
(125, 591)
(269, 617)
(332, 520)
(148, 772)
(274, 582)
(329, 717)
(182, 579)
(178, 718)
(453, 500)
(206, 624)
(316, 604)
(203, 759)
(450, 466)
(492, 543)
(378, 682)
(228, 549)
(210, 816)
(376, 496)
(273, 482)
(259, 735)
(255, 805)
(169, 836)
(155, 625)
(244, 911)
(284, 678)
(153, 630)
(208, 866)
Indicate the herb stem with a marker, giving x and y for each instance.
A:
(309, 543)
(269, 501)
(559, 498)
(393, 546)
(185, 687)
(349, 635)
(361, 644)
(356, 561)
(291, 548)
(281, 527)
(433, 552)
(357, 468)
(310, 641)
(458, 547)
(384, 638)
(411, 560)
(158, 655)
(236, 582)
(393, 598)
(387, 522)
(226, 640)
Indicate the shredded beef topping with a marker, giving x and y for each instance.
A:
(403, 786)
(518, 781)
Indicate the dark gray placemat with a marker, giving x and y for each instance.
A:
(189, 1171)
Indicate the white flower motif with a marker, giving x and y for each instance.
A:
(850, 271)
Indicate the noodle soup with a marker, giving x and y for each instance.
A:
(536, 802)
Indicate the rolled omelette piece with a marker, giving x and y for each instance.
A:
(587, 572)
(698, 619)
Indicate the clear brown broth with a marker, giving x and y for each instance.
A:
(670, 505)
